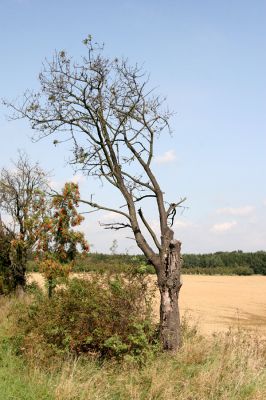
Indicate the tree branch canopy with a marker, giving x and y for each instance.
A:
(107, 110)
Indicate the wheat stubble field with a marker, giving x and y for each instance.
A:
(216, 303)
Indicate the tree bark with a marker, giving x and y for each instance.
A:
(18, 266)
(19, 280)
(169, 282)
(50, 287)
(19, 291)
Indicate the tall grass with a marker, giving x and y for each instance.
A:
(227, 367)
(221, 367)
(18, 381)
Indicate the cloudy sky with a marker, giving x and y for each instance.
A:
(208, 58)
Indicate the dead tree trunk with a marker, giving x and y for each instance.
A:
(169, 282)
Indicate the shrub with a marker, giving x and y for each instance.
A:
(105, 317)
(243, 270)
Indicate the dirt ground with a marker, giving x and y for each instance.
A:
(216, 303)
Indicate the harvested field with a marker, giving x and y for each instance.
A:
(217, 302)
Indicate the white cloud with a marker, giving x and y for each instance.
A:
(78, 178)
(110, 216)
(167, 157)
(236, 211)
(223, 227)
(56, 185)
(179, 224)
(155, 226)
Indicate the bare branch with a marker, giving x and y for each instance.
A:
(175, 205)
(171, 212)
(144, 197)
(149, 229)
(115, 225)
(100, 207)
(140, 198)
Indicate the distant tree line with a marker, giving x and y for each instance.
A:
(234, 262)
(219, 263)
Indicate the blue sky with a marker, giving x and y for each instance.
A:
(208, 58)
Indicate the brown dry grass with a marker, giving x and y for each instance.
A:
(226, 367)
(216, 302)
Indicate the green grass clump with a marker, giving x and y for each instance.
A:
(20, 382)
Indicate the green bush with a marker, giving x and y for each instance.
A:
(243, 270)
(104, 317)
(104, 263)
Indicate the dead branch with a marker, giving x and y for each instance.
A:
(148, 227)
(115, 225)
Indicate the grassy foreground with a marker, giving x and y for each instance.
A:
(230, 367)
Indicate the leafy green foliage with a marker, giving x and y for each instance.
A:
(221, 263)
(104, 316)
(226, 263)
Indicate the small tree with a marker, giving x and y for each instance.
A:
(105, 107)
(59, 243)
(23, 203)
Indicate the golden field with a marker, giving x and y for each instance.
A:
(216, 303)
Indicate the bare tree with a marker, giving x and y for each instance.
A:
(105, 108)
(22, 205)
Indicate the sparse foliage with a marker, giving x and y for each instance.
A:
(59, 241)
(107, 110)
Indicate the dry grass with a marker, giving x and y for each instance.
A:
(227, 367)
(224, 366)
